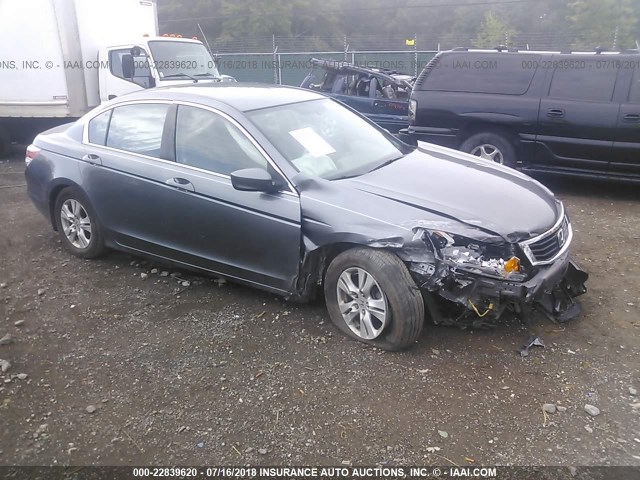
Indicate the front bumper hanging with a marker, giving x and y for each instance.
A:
(551, 291)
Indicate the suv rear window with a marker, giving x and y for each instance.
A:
(497, 73)
(583, 81)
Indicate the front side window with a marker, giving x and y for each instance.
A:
(209, 141)
(323, 138)
(583, 82)
(98, 128)
(141, 71)
(138, 128)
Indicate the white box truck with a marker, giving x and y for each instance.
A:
(60, 58)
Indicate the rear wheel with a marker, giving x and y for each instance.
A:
(491, 146)
(77, 225)
(372, 298)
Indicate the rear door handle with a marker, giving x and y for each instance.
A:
(632, 117)
(555, 112)
(92, 159)
(181, 184)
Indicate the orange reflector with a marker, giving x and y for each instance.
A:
(512, 265)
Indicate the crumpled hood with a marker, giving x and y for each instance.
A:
(444, 182)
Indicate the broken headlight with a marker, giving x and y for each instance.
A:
(465, 254)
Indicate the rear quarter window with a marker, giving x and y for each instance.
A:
(98, 128)
(499, 73)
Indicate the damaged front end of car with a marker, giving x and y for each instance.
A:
(481, 276)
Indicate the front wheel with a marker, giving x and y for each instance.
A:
(492, 147)
(372, 298)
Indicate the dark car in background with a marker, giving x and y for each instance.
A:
(380, 94)
(291, 192)
(573, 114)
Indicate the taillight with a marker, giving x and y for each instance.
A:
(413, 105)
(32, 152)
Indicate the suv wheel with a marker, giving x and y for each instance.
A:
(491, 146)
(372, 298)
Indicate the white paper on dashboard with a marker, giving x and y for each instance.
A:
(312, 142)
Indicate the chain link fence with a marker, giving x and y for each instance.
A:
(285, 60)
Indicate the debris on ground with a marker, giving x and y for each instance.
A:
(591, 410)
(532, 341)
(6, 340)
(549, 408)
(91, 409)
(4, 365)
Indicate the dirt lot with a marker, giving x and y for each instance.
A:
(222, 374)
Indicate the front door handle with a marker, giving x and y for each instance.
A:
(92, 159)
(181, 184)
(555, 112)
(632, 117)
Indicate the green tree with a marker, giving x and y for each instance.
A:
(494, 31)
(613, 24)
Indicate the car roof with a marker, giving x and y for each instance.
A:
(241, 96)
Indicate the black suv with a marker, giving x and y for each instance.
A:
(566, 113)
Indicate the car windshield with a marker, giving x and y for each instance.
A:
(324, 139)
(182, 59)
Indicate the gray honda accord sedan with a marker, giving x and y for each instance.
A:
(292, 192)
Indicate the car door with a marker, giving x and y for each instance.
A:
(389, 113)
(577, 117)
(254, 236)
(125, 173)
(625, 159)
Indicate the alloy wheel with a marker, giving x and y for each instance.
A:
(362, 303)
(488, 152)
(76, 223)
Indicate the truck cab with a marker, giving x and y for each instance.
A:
(153, 62)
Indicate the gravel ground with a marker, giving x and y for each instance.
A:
(111, 368)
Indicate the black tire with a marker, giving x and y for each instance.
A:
(403, 299)
(96, 246)
(497, 141)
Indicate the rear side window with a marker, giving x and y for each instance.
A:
(138, 128)
(507, 73)
(98, 128)
(583, 81)
(634, 95)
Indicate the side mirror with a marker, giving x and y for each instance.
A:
(128, 68)
(255, 180)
